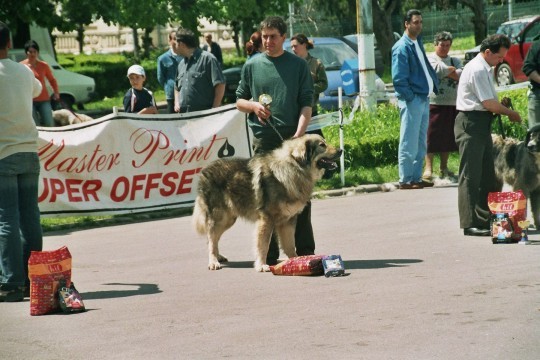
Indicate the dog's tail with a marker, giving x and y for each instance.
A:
(200, 216)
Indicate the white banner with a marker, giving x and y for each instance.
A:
(126, 163)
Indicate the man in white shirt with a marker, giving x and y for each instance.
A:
(477, 101)
(20, 227)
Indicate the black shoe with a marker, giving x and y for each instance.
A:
(10, 294)
(271, 262)
(476, 232)
(409, 186)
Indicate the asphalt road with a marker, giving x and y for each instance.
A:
(417, 289)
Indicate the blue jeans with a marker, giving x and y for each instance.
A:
(20, 227)
(412, 138)
(43, 113)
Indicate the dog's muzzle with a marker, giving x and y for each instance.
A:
(329, 163)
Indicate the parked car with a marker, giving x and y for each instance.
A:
(332, 52)
(521, 32)
(74, 88)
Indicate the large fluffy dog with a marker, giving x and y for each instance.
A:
(270, 189)
(518, 164)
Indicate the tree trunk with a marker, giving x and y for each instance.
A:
(479, 18)
(383, 30)
(135, 44)
(80, 37)
(236, 37)
(147, 42)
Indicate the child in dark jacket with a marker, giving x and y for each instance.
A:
(138, 99)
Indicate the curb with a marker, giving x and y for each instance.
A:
(351, 191)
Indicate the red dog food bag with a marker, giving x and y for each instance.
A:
(46, 270)
(507, 206)
(300, 265)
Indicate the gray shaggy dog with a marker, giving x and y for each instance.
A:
(270, 190)
(517, 163)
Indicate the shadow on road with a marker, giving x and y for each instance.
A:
(238, 264)
(349, 264)
(378, 264)
(143, 289)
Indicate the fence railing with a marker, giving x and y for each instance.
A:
(459, 22)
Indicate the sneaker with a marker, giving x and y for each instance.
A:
(10, 294)
(427, 175)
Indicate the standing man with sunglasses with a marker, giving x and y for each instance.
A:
(414, 79)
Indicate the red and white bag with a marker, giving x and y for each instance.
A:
(508, 209)
(300, 265)
(46, 269)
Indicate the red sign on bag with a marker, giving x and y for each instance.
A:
(55, 268)
(507, 207)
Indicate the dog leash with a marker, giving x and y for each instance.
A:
(265, 101)
(68, 109)
(506, 101)
(269, 121)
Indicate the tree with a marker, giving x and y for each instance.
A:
(382, 16)
(243, 16)
(42, 12)
(138, 14)
(76, 14)
(478, 19)
(344, 12)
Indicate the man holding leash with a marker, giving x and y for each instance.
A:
(287, 80)
(531, 68)
(477, 101)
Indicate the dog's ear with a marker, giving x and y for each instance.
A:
(302, 153)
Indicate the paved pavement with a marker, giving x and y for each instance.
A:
(417, 289)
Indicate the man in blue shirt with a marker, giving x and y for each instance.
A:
(414, 79)
(200, 83)
(167, 65)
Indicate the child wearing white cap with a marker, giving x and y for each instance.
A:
(138, 99)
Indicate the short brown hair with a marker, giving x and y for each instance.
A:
(274, 22)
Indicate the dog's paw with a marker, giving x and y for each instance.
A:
(214, 265)
(260, 267)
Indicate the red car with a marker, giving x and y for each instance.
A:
(521, 32)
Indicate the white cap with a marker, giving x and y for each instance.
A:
(136, 69)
